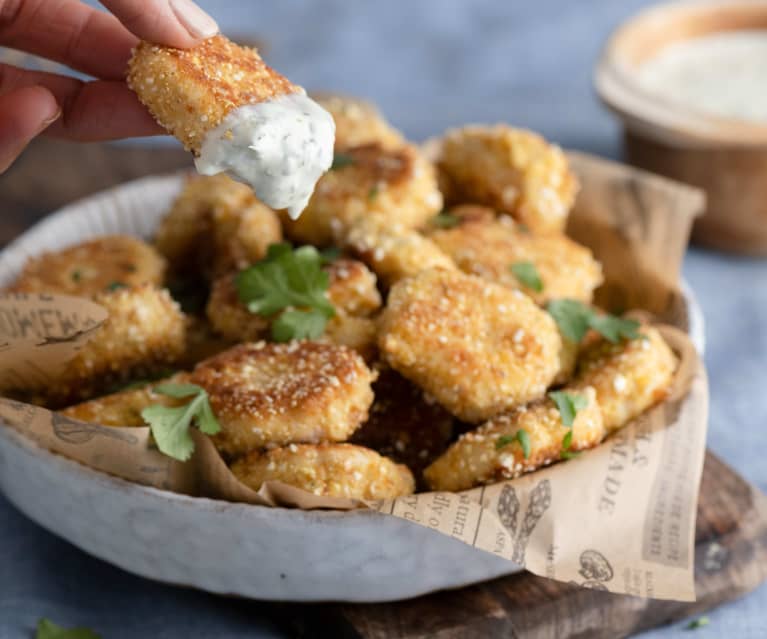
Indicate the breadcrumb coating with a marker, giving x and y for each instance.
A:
(274, 394)
(478, 348)
(511, 170)
(629, 377)
(399, 184)
(330, 470)
(490, 248)
(92, 267)
(190, 91)
(358, 122)
(353, 287)
(491, 453)
(358, 333)
(216, 225)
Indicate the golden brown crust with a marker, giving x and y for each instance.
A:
(353, 288)
(629, 377)
(190, 91)
(511, 170)
(92, 267)
(480, 456)
(477, 347)
(358, 122)
(274, 394)
(398, 184)
(331, 470)
(358, 333)
(489, 249)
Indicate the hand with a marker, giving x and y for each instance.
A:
(91, 41)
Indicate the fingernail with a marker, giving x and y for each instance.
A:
(195, 20)
(48, 121)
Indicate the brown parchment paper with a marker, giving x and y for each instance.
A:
(620, 517)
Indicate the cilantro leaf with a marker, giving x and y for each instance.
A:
(292, 281)
(445, 220)
(567, 441)
(520, 436)
(697, 623)
(341, 160)
(528, 275)
(574, 318)
(299, 325)
(46, 629)
(170, 424)
(568, 405)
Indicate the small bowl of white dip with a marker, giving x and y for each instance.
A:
(689, 82)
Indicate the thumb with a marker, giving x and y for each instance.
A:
(24, 113)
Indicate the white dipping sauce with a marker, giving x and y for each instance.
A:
(280, 148)
(723, 74)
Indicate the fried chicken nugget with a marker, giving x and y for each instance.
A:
(493, 452)
(511, 170)
(353, 287)
(358, 333)
(492, 248)
(358, 122)
(145, 334)
(331, 470)
(368, 180)
(190, 91)
(392, 251)
(124, 408)
(404, 424)
(274, 394)
(477, 347)
(629, 377)
(92, 267)
(216, 225)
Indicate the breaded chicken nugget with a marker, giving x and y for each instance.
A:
(493, 452)
(273, 394)
(404, 424)
(511, 170)
(368, 180)
(353, 287)
(568, 359)
(331, 470)
(358, 333)
(202, 342)
(392, 251)
(230, 317)
(358, 122)
(92, 267)
(124, 407)
(477, 347)
(216, 225)
(629, 377)
(494, 249)
(190, 91)
(145, 334)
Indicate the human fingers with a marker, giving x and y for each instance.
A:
(24, 113)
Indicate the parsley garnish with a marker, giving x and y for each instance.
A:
(46, 629)
(574, 318)
(568, 405)
(697, 623)
(340, 160)
(292, 281)
(170, 425)
(567, 441)
(528, 275)
(113, 286)
(330, 254)
(520, 436)
(445, 220)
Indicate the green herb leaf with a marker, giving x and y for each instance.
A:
(113, 286)
(520, 436)
(340, 160)
(527, 274)
(574, 318)
(697, 623)
(292, 281)
(446, 220)
(567, 441)
(46, 629)
(170, 424)
(330, 254)
(568, 405)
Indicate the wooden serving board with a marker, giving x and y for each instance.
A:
(731, 535)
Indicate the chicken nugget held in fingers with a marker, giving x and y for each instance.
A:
(237, 115)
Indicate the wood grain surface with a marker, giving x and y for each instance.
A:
(731, 536)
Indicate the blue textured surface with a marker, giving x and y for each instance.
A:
(429, 64)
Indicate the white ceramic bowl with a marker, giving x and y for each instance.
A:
(250, 551)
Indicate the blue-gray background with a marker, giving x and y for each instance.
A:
(429, 64)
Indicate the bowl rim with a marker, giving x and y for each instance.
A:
(659, 118)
